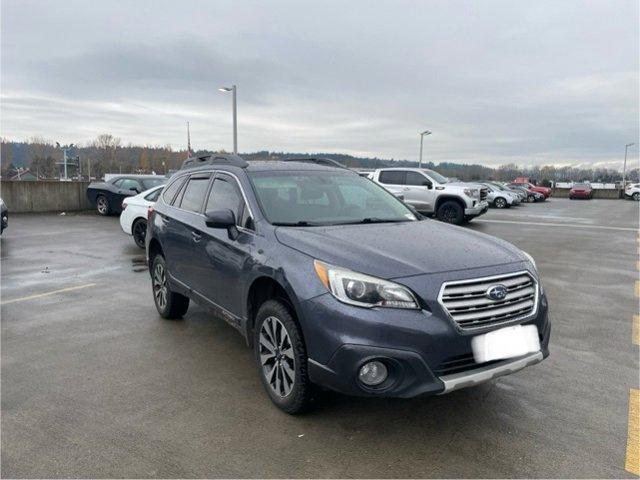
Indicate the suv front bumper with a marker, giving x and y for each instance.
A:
(478, 209)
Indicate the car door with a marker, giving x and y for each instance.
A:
(185, 230)
(226, 258)
(418, 191)
(392, 180)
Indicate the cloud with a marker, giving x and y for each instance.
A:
(496, 81)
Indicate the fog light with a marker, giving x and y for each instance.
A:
(373, 373)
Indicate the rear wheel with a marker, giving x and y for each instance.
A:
(139, 232)
(500, 202)
(531, 198)
(169, 304)
(102, 205)
(281, 357)
(450, 212)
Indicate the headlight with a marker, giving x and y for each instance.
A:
(362, 290)
(533, 262)
(472, 192)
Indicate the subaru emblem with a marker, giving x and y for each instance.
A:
(496, 292)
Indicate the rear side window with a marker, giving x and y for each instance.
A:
(194, 192)
(130, 184)
(169, 193)
(153, 196)
(392, 177)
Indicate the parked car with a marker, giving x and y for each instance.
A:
(133, 218)
(4, 216)
(581, 190)
(501, 198)
(546, 191)
(432, 194)
(107, 196)
(531, 195)
(633, 191)
(522, 195)
(336, 283)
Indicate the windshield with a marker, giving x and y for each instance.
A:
(436, 176)
(325, 198)
(148, 183)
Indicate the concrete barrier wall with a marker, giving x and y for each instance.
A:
(44, 196)
(597, 193)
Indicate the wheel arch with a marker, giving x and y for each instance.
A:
(155, 248)
(445, 198)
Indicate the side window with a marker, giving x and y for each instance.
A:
(392, 177)
(169, 192)
(194, 192)
(118, 182)
(225, 193)
(153, 196)
(130, 184)
(417, 179)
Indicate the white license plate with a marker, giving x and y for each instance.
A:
(508, 342)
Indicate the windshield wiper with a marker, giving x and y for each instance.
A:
(380, 220)
(301, 223)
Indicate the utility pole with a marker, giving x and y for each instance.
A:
(233, 89)
(624, 168)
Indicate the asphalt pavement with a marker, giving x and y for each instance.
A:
(96, 384)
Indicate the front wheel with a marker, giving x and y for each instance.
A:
(531, 198)
(500, 202)
(169, 304)
(139, 232)
(282, 358)
(450, 212)
(636, 196)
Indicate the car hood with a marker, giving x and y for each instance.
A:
(390, 250)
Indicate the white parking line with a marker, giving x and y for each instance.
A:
(46, 294)
(566, 225)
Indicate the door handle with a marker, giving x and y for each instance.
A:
(196, 237)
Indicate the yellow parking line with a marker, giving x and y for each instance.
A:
(635, 335)
(46, 294)
(632, 463)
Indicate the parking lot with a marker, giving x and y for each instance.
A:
(96, 384)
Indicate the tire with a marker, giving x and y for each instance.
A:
(500, 203)
(139, 232)
(450, 212)
(102, 205)
(531, 198)
(636, 196)
(169, 304)
(281, 357)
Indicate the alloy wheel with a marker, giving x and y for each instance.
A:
(160, 286)
(449, 214)
(276, 356)
(102, 205)
(636, 196)
(500, 202)
(140, 232)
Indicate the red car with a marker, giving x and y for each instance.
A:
(581, 190)
(543, 190)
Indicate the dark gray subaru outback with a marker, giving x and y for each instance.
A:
(337, 283)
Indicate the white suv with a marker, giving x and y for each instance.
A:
(432, 194)
(633, 191)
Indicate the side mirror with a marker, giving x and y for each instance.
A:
(222, 219)
(427, 184)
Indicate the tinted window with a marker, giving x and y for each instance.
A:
(392, 177)
(225, 194)
(130, 184)
(416, 179)
(170, 191)
(194, 193)
(153, 196)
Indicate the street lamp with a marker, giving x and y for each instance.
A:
(232, 89)
(624, 168)
(422, 134)
(65, 151)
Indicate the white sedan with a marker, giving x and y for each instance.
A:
(133, 219)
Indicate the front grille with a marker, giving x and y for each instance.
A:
(467, 303)
(483, 194)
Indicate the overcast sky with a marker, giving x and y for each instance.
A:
(531, 82)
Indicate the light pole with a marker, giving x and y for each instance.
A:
(232, 89)
(624, 167)
(422, 134)
(64, 157)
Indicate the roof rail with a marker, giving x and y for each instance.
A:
(215, 159)
(327, 162)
